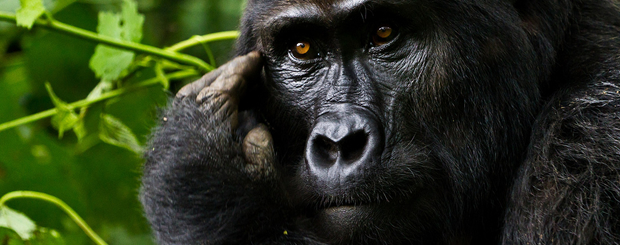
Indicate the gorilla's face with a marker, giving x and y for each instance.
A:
(393, 117)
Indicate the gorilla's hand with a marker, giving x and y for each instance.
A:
(201, 183)
(218, 94)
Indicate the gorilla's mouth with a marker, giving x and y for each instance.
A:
(340, 211)
(340, 204)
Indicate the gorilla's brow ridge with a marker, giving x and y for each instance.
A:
(319, 12)
(315, 10)
(291, 13)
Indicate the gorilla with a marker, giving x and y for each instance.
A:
(398, 122)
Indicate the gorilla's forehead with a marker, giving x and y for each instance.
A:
(276, 14)
(325, 10)
(311, 9)
(325, 5)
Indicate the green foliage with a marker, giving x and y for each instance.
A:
(114, 132)
(27, 230)
(65, 117)
(17, 229)
(30, 11)
(107, 62)
(40, 236)
(22, 225)
(79, 141)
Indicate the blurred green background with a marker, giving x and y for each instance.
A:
(97, 180)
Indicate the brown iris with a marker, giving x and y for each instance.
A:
(302, 50)
(383, 35)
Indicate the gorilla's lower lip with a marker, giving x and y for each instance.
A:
(341, 207)
(342, 212)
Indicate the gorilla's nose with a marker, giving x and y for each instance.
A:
(343, 142)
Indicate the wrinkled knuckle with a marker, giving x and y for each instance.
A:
(229, 83)
(236, 82)
(207, 94)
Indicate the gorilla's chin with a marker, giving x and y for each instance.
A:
(357, 224)
(402, 220)
(341, 216)
(341, 223)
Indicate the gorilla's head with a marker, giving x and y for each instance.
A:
(394, 119)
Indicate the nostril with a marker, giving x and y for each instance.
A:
(325, 150)
(349, 149)
(352, 146)
(343, 143)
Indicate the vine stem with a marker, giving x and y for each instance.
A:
(105, 96)
(92, 36)
(62, 205)
(195, 40)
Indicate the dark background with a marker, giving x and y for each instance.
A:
(99, 181)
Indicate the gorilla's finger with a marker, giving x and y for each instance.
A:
(195, 87)
(229, 86)
(259, 153)
(232, 85)
(247, 66)
(228, 111)
(219, 105)
(238, 71)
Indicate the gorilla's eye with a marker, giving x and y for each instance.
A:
(303, 50)
(383, 35)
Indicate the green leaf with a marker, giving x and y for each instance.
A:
(10, 237)
(108, 63)
(17, 221)
(114, 132)
(30, 11)
(132, 22)
(39, 236)
(81, 130)
(45, 236)
(102, 87)
(66, 118)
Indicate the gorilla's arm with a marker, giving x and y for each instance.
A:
(568, 190)
(200, 184)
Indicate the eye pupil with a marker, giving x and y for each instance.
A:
(302, 48)
(382, 36)
(384, 31)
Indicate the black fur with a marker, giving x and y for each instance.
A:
(501, 122)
